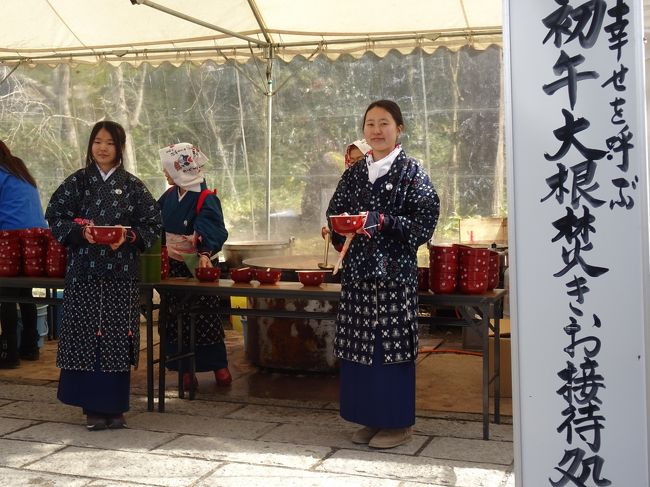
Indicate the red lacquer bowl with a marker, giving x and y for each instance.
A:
(242, 274)
(9, 270)
(346, 223)
(267, 276)
(207, 274)
(311, 278)
(106, 234)
(34, 232)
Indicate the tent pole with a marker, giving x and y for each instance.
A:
(200, 22)
(269, 125)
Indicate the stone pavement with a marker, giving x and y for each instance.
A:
(236, 441)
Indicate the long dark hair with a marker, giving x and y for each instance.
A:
(388, 105)
(119, 138)
(14, 165)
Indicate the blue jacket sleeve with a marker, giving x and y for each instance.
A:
(210, 226)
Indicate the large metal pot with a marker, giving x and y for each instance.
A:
(235, 252)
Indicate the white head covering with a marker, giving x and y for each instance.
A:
(183, 162)
(361, 144)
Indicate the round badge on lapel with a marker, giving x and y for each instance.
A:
(389, 187)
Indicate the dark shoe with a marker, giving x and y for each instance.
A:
(116, 422)
(188, 379)
(364, 435)
(8, 356)
(223, 377)
(30, 355)
(96, 423)
(7, 363)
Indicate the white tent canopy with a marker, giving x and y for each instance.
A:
(135, 31)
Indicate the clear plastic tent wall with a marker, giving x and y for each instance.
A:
(451, 97)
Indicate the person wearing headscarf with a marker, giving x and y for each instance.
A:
(356, 151)
(192, 234)
(99, 340)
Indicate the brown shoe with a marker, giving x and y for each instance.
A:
(390, 438)
(364, 435)
(95, 423)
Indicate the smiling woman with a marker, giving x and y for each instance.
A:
(99, 338)
(376, 326)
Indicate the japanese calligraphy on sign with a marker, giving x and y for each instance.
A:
(585, 160)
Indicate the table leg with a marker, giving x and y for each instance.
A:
(162, 354)
(149, 319)
(485, 331)
(497, 364)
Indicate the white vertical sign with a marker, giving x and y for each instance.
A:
(579, 243)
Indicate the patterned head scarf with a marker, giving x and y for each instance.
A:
(362, 145)
(183, 163)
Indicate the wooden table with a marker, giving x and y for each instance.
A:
(482, 312)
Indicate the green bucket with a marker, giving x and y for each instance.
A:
(150, 262)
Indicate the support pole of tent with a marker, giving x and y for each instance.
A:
(269, 126)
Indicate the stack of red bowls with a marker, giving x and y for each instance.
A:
(473, 269)
(164, 262)
(10, 260)
(493, 270)
(56, 258)
(34, 247)
(443, 268)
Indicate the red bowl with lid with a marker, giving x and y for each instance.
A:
(343, 224)
(9, 270)
(34, 232)
(10, 254)
(470, 286)
(442, 283)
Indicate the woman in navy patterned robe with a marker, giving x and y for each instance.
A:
(376, 327)
(100, 333)
(194, 225)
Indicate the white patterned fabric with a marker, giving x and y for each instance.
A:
(183, 163)
(371, 307)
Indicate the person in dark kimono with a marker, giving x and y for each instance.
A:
(194, 234)
(99, 339)
(376, 327)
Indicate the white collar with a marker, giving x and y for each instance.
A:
(106, 175)
(377, 169)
